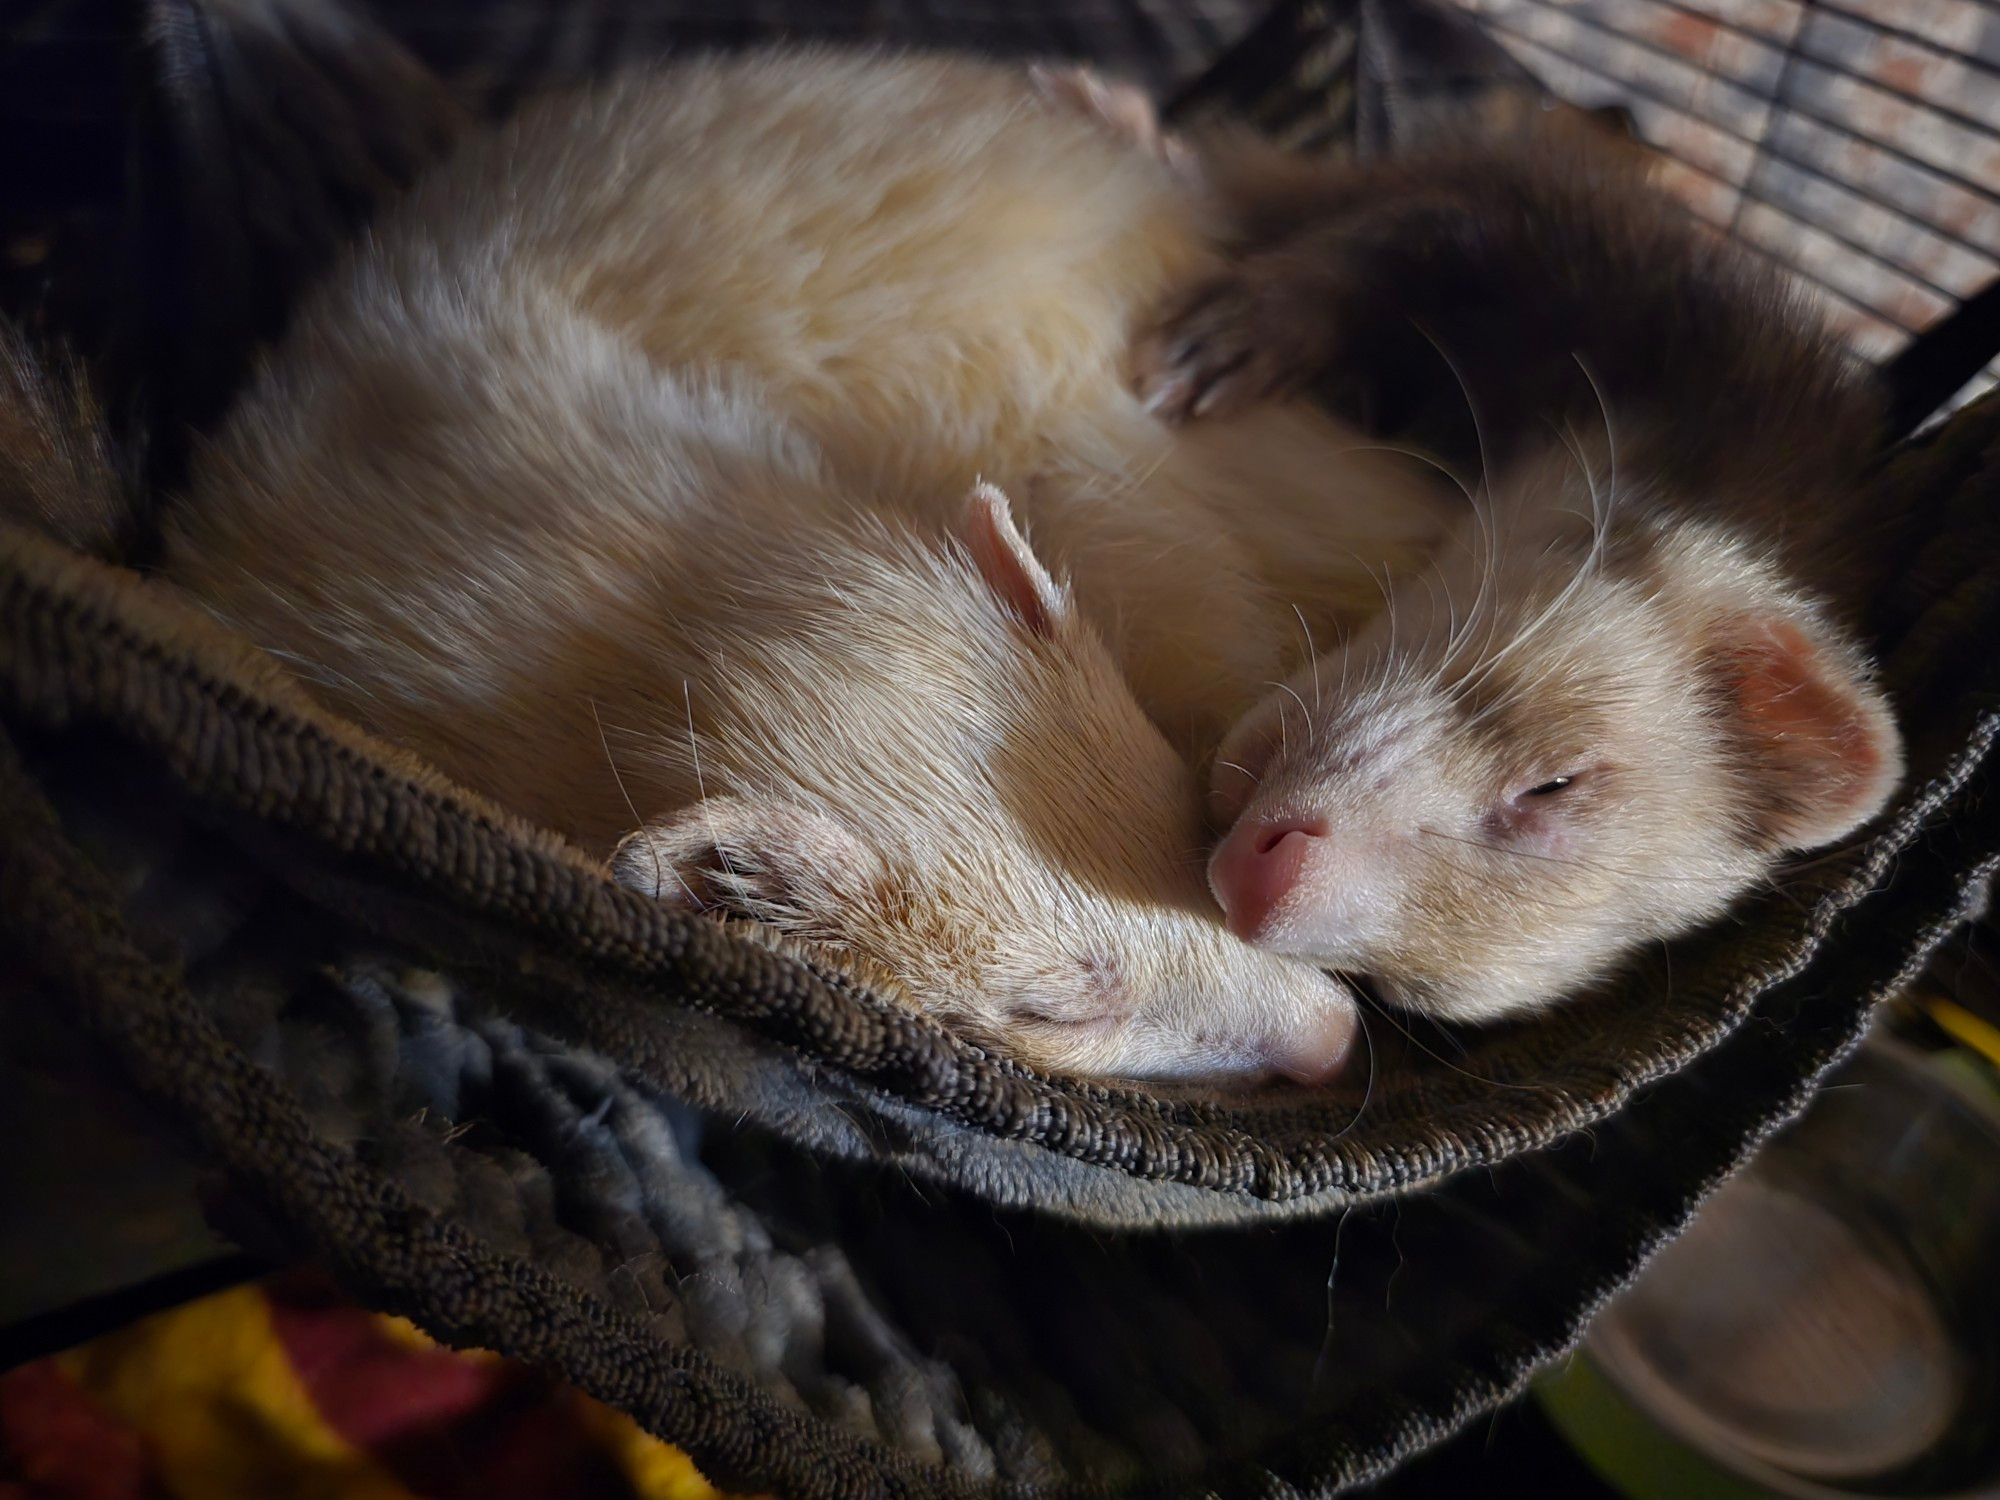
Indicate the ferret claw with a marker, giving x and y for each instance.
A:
(1181, 372)
(1221, 349)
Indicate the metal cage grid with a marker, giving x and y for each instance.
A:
(1856, 142)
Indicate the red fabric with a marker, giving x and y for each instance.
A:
(441, 1425)
(57, 1444)
(370, 1388)
(446, 1427)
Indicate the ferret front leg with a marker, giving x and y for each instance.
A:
(1363, 266)
(1254, 333)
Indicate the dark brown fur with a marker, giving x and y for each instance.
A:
(1486, 278)
(60, 474)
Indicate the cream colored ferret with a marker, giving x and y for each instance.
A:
(1618, 697)
(623, 472)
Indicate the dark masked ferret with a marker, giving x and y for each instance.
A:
(618, 470)
(1618, 698)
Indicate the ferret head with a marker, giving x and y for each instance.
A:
(1543, 756)
(943, 775)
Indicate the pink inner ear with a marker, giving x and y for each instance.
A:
(1821, 734)
(1001, 554)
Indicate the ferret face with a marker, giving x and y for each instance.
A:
(1540, 759)
(978, 806)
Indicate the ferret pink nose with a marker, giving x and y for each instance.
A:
(1255, 868)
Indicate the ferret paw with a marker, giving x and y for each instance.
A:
(1222, 348)
(1121, 109)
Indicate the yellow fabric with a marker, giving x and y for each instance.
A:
(657, 1472)
(1964, 1027)
(210, 1390)
(403, 1332)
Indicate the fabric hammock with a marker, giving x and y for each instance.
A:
(817, 1242)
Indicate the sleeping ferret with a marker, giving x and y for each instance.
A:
(622, 471)
(1620, 695)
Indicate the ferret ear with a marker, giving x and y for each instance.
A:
(766, 858)
(1122, 110)
(1821, 743)
(1007, 564)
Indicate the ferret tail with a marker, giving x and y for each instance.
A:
(59, 470)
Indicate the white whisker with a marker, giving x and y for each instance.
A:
(1312, 654)
(637, 822)
(700, 789)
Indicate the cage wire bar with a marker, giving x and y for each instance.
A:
(1854, 142)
